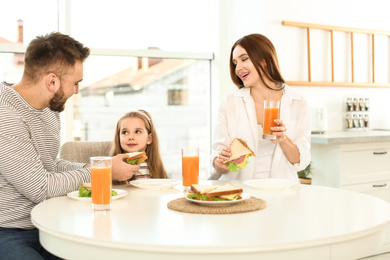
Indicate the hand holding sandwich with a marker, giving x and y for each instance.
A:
(233, 157)
(122, 171)
(223, 156)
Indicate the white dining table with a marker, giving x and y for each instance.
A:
(299, 222)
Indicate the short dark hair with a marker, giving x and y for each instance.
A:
(259, 48)
(54, 52)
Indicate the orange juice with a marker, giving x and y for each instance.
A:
(270, 114)
(101, 185)
(190, 168)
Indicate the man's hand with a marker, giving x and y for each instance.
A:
(122, 171)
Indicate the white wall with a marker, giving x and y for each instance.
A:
(266, 16)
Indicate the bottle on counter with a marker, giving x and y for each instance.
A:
(349, 104)
(355, 121)
(356, 105)
(366, 120)
(361, 121)
(367, 104)
(348, 121)
(362, 104)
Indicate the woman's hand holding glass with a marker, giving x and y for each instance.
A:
(279, 131)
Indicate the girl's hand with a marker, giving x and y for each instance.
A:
(223, 156)
(279, 131)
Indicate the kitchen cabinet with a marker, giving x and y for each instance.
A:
(357, 161)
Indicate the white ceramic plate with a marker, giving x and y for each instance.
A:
(155, 184)
(270, 184)
(244, 196)
(75, 195)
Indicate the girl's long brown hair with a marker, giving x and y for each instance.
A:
(155, 164)
(259, 48)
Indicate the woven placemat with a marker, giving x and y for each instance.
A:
(184, 205)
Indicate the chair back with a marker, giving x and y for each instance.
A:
(81, 151)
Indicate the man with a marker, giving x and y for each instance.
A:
(30, 171)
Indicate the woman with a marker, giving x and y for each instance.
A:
(255, 70)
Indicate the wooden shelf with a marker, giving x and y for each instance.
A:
(337, 84)
(350, 31)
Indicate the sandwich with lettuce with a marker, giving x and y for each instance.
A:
(136, 158)
(85, 190)
(240, 155)
(227, 192)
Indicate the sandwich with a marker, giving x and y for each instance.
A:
(240, 154)
(136, 158)
(85, 190)
(226, 192)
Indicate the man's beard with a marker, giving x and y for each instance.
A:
(57, 102)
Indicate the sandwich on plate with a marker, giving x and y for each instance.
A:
(85, 190)
(226, 192)
(136, 158)
(240, 154)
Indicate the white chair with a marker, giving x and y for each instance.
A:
(81, 151)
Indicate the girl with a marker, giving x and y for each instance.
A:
(254, 69)
(135, 132)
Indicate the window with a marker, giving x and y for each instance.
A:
(101, 103)
(170, 25)
(145, 55)
(38, 18)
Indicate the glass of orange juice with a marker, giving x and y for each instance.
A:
(101, 182)
(190, 165)
(271, 112)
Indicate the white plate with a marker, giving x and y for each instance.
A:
(270, 184)
(75, 195)
(155, 184)
(244, 196)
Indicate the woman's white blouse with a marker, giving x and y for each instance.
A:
(237, 118)
(264, 154)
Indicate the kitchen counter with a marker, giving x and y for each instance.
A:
(346, 137)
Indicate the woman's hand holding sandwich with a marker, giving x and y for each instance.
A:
(222, 157)
(234, 157)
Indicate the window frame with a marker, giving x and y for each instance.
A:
(64, 26)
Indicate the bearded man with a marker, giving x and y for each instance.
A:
(30, 171)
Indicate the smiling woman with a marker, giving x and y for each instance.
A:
(254, 69)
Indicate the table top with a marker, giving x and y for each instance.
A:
(296, 219)
(345, 137)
